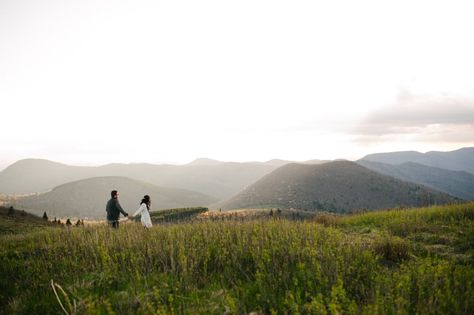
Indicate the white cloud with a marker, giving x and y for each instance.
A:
(429, 118)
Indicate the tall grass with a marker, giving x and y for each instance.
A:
(220, 267)
(404, 221)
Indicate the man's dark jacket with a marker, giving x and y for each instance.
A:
(114, 209)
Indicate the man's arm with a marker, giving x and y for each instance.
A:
(119, 207)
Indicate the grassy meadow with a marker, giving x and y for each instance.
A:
(410, 261)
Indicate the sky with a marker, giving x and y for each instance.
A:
(94, 82)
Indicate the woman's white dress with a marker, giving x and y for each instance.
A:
(143, 211)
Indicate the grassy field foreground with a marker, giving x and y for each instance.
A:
(389, 262)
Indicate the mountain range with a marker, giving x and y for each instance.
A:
(339, 186)
(220, 179)
(456, 183)
(458, 160)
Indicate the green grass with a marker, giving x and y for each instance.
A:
(441, 230)
(373, 263)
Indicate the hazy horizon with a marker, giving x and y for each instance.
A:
(205, 158)
(91, 83)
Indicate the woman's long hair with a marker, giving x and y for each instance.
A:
(146, 200)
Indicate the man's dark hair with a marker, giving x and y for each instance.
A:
(113, 193)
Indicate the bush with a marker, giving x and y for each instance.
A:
(326, 219)
(392, 248)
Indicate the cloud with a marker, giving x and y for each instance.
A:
(420, 118)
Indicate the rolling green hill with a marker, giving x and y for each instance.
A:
(339, 186)
(87, 198)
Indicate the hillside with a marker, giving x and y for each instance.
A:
(87, 198)
(410, 261)
(218, 179)
(456, 183)
(14, 221)
(458, 160)
(339, 186)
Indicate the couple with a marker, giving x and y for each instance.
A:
(114, 209)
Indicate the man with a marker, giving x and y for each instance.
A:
(114, 209)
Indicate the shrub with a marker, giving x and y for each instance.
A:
(392, 248)
(326, 219)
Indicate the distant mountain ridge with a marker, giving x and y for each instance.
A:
(87, 198)
(222, 180)
(456, 183)
(218, 179)
(38, 175)
(458, 160)
(339, 186)
(211, 177)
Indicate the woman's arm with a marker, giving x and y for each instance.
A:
(140, 209)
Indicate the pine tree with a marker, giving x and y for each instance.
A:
(45, 216)
(11, 211)
(68, 222)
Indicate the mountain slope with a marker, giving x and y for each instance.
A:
(87, 198)
(456, 183)
(339, 186)
(458, 160)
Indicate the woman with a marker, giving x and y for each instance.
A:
(143, 210)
